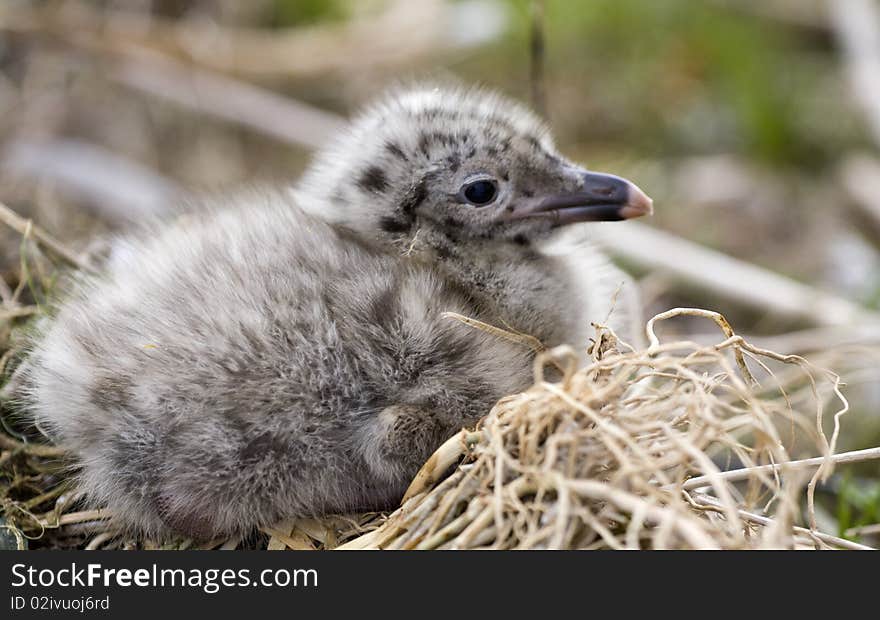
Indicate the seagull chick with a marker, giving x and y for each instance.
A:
(285, 355)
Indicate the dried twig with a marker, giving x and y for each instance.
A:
(42, 450)
(732, 278)
(755, 518)
(26, 227)
(854, 456)
(654, 342)
(85, 516)
(526, 340)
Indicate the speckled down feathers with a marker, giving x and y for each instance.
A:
(284, 353)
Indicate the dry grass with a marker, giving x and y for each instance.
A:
(631, 452)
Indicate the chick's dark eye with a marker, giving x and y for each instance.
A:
(480, 192)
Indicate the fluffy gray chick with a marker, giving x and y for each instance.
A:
(286, 355)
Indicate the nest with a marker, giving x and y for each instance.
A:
(673, 446)
(677, 445)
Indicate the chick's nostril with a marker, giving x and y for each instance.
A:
(600, 186)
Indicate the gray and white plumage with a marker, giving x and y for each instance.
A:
(285, 354)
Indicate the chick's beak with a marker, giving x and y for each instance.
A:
(601, 198)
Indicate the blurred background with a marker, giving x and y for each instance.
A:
(754, 125)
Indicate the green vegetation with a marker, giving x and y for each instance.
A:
(683, 77)
(858, 505)
(286, 13)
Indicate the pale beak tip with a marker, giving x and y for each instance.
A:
(638, 204)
